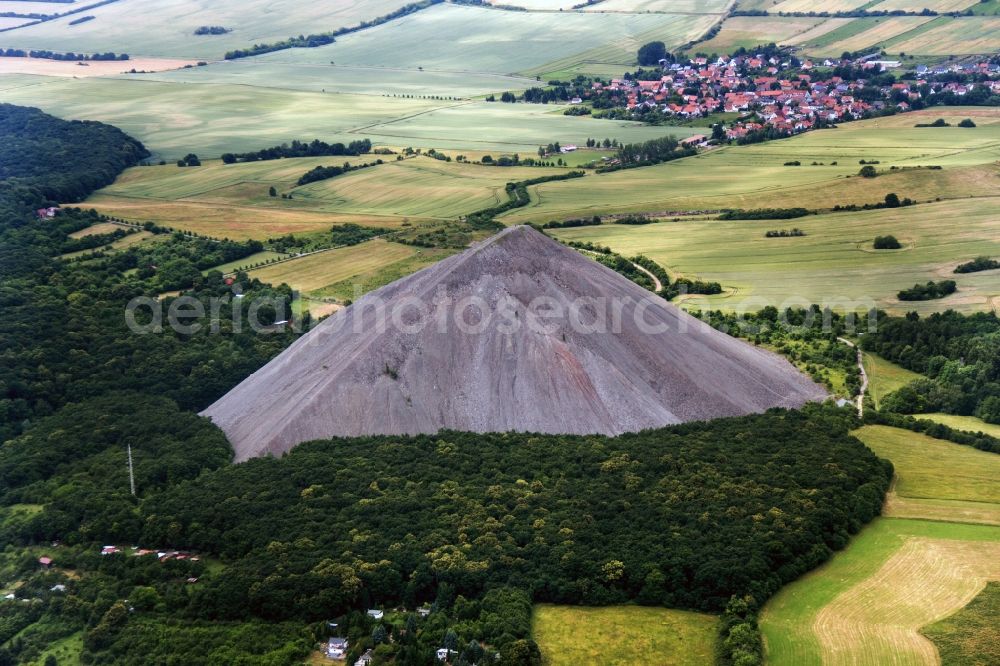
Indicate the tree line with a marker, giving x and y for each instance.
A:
(314, 148)
(958, 354)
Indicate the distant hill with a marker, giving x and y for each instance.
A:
(502, 366)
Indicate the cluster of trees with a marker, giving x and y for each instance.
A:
(941, 122)
(959, 354)
(189, 160)
(648, 153)
(806, 336)
(324, 38)
(784, 233)
(314, 148)
(212, 30)
(580, 222)
(326, 172)
(978, 264)
(633, 220)
(764, 214)
(689, 286)
(178, 264)
(652, 53)
(626, 268)
(891, 200)
(928, 291)
(339, 235)
(888, 242)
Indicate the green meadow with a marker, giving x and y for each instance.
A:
(885, 377)
(832, 264)
(176, 118)
(621, 635)
(473, 39)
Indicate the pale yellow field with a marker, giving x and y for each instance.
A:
(880, 618)
(826, 26)
(233, 201)
(227, 221)
(751, 31)
(325, 268)
(667, 6)
(917, 5)
(45, 67)
(886, 28)
(980, 34)
(811, 6)
(93, 230)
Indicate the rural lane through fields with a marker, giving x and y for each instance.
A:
(864, 376)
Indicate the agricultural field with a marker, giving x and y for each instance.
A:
(970, 637)
(832, 264)
(620, 635)
(885, 377)
(313, 272)
(118, 26)
(868, 603)
(749, 31)
(175, 118)
(324, 77)
(877, 31)
(472, 39)
(664, 6)
(372, 278)
(834, 259)
(956, 36)
(227, 221)
(420, 187)
(928, 468)
(821, 30)
(808, 6)
(940, 6)
(232, 200)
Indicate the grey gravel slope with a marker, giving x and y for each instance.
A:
(502, 366)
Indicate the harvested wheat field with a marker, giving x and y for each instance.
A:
(877, 622)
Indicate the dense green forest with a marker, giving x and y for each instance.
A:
(959, 354)
(687, 516)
